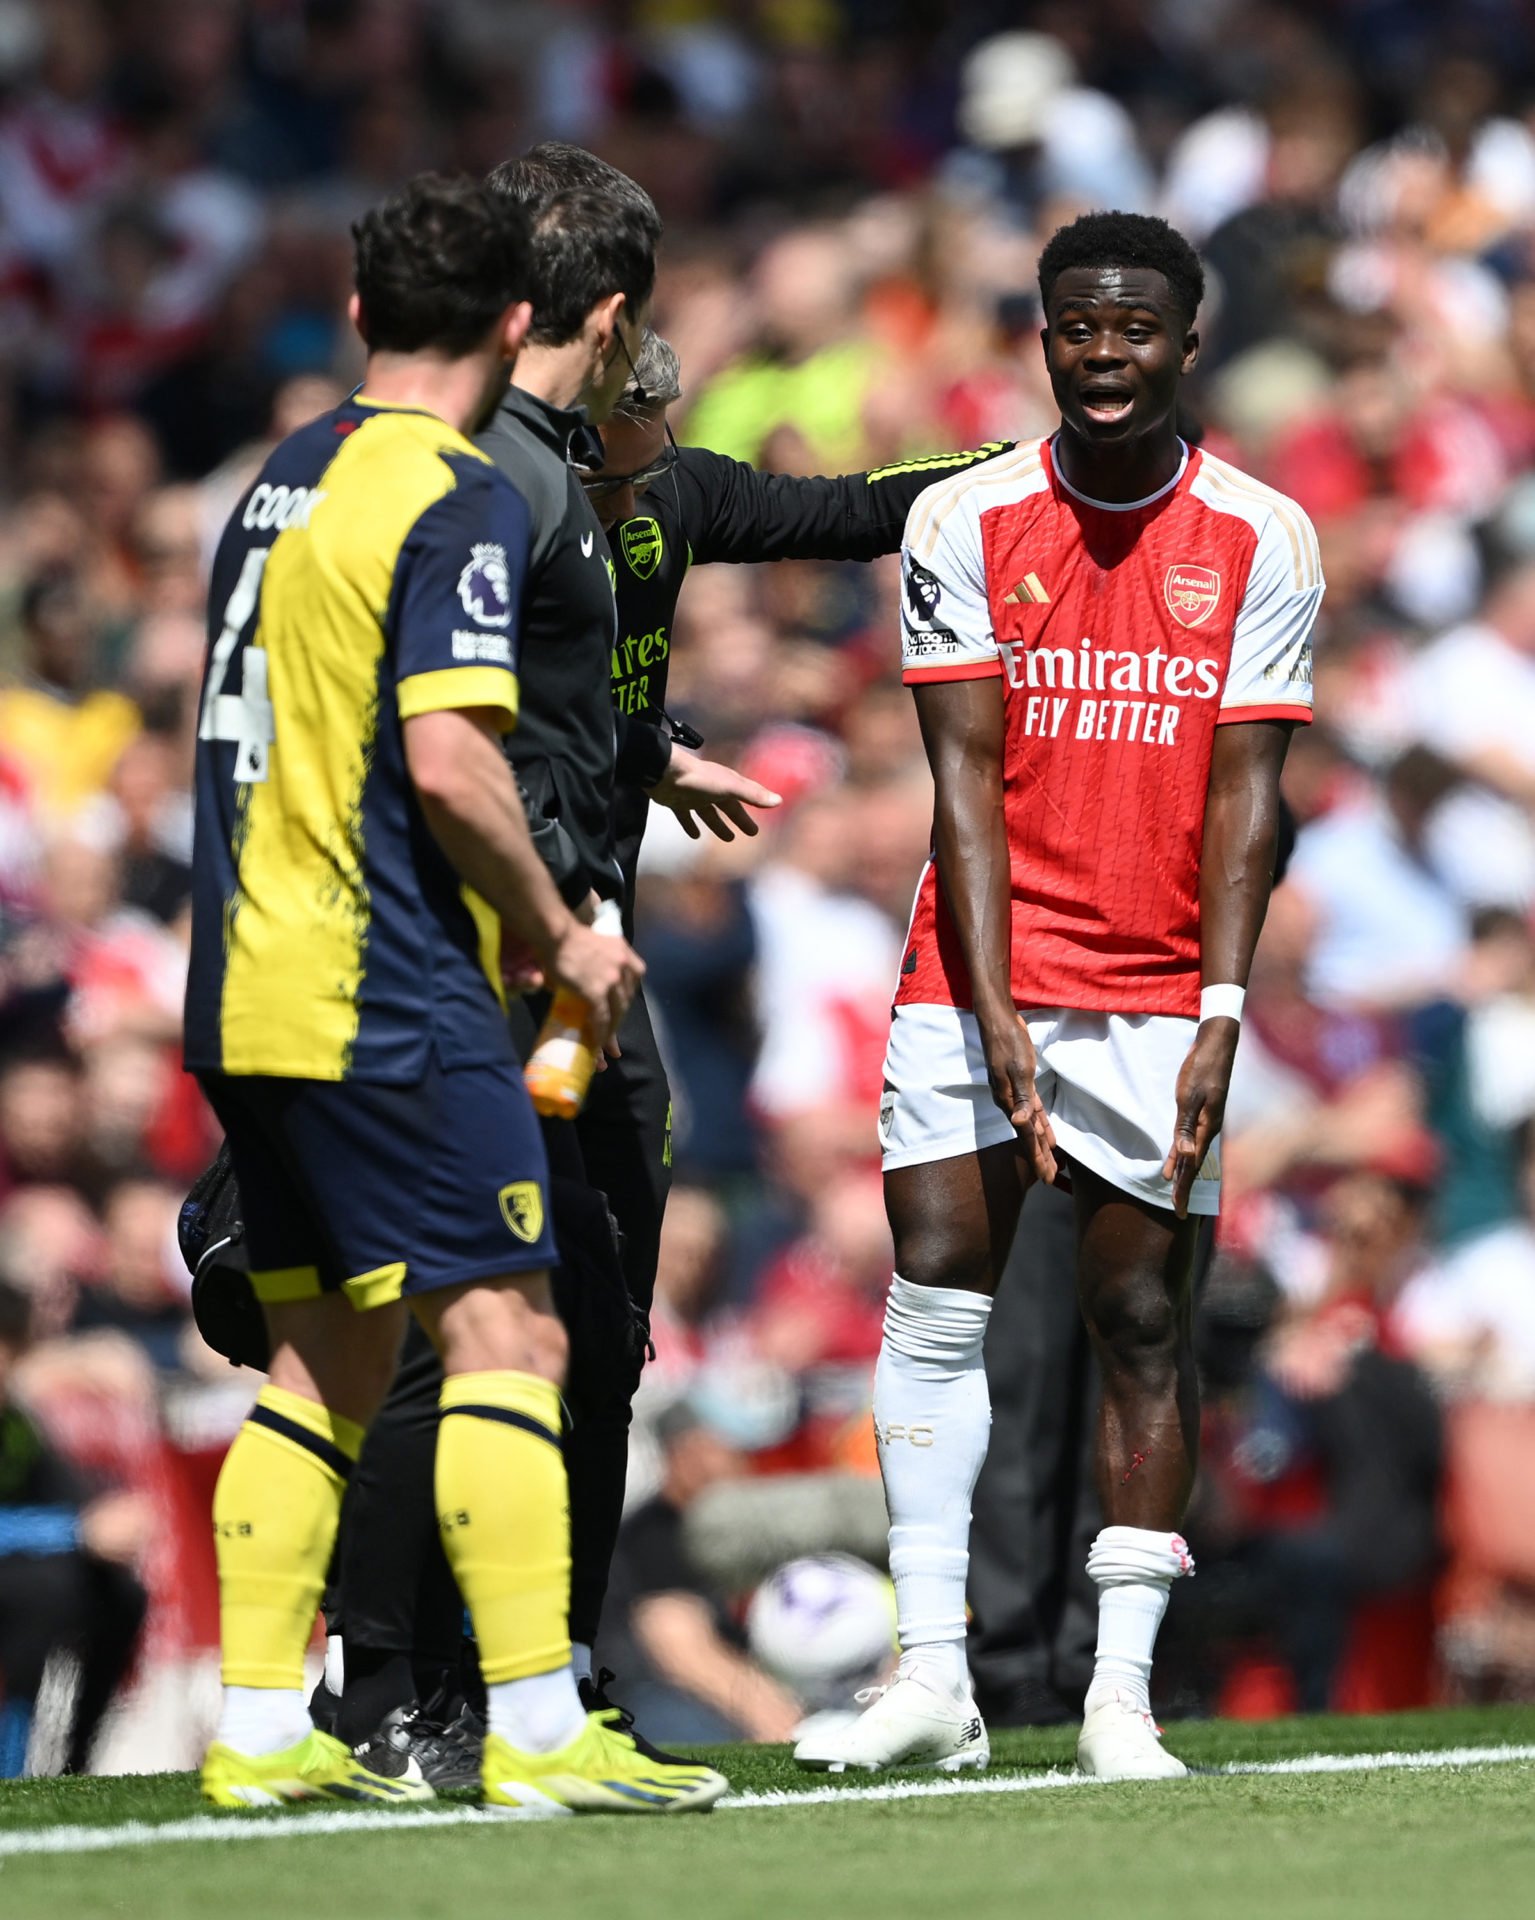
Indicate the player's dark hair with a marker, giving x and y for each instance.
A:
(555, 166)
(595, 233)
(437, 263)
(586, 247)
(1125, 240)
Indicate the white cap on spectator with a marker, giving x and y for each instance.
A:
(1011, 82)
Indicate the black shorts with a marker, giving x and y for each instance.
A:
(383, 1191)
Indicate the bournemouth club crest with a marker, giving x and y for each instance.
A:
(1192, 594)
(642, 546)
(522, 1208)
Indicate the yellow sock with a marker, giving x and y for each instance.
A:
(504, 1511)
(275, 1513)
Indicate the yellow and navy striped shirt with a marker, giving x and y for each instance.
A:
(373, 572)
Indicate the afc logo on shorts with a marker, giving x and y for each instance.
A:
(522, 1208)
(1192, 594)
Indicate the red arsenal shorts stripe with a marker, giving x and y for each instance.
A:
(957, 670)
(1291, 711)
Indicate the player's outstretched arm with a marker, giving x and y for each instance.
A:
(1236, 873)
(471, 803)
(732, 511)
(961, 724)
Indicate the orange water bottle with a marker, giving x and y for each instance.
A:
(564, 1057)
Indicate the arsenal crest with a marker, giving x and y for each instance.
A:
(642, 546)
(1192, 594)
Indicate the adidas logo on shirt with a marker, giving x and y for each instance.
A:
(1029, 592)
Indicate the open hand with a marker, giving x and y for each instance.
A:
(707, 793)
(1203, 1082)
(1010, 1068)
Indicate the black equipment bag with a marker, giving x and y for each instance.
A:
(211, 1233)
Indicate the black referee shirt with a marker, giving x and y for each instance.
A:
(565, 746)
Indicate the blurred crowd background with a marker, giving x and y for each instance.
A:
(855, 195)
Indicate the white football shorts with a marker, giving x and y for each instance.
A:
(1108, 1082)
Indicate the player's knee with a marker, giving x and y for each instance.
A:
(502, 1328)
(1136, 1328)
(352, 1376)
(943, 1259)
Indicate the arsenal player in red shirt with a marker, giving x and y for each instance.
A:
(1108, 637)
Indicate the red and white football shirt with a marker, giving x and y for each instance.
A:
(1124, 635)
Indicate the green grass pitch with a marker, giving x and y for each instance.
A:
(1378, 1843)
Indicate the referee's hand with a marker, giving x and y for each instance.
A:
(603, 969)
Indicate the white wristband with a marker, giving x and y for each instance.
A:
(1221, 1003)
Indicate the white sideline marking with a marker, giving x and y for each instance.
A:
(1046, 1782)
(144, 1833)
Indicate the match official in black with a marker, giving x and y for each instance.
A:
(665, 509)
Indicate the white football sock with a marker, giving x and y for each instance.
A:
(942, 1661)
(262, 1720)
(932, 1418)
(580, 1660)
(1134, 1568)
(539, 1714)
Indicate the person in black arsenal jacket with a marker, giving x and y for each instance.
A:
(668, 509)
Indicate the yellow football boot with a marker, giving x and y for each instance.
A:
(601, 1771)
(315, 1768)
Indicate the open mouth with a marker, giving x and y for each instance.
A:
(1106, 406)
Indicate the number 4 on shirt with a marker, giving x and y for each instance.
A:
(244, 718)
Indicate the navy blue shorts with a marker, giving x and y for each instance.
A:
(386, 1191)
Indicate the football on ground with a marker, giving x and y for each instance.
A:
(824, 1625)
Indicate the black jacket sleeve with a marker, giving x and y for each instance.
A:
(644, 751)
(730, 511)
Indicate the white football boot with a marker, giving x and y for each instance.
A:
(1120, 1741)
(913, 1722)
